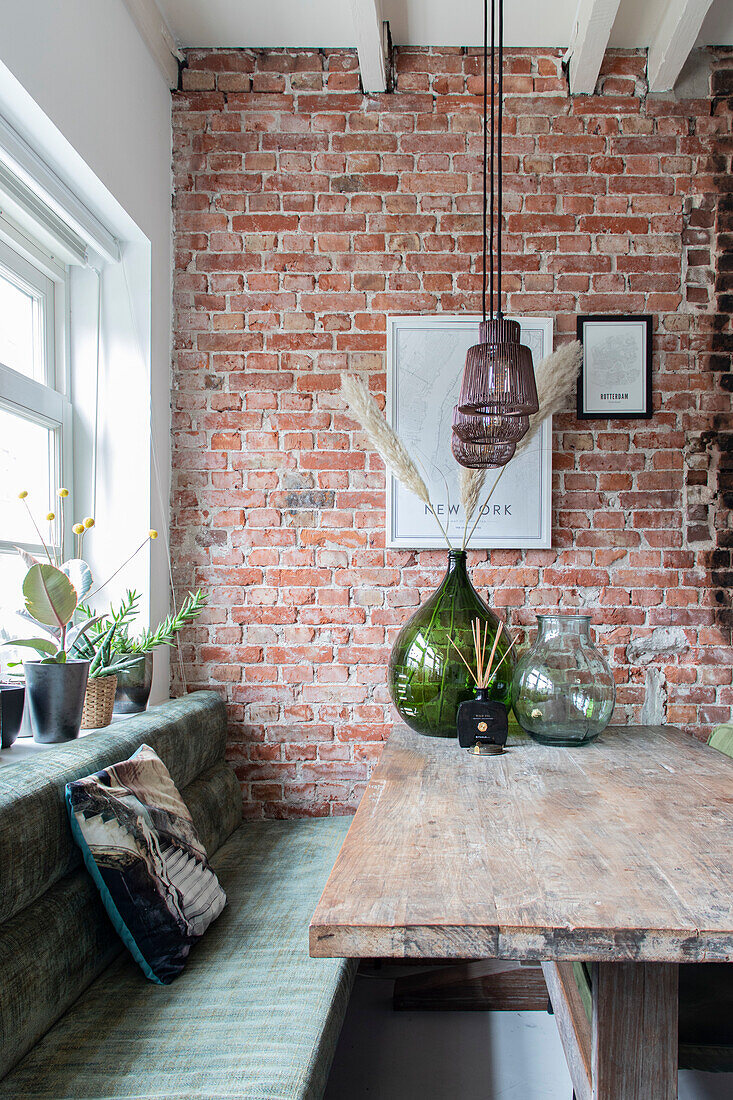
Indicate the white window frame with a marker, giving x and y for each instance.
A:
(44, 402)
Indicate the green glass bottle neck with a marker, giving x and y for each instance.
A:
(457, 562)
(456, 577)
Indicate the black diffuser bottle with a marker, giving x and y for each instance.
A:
(483, 725)
(483, 722)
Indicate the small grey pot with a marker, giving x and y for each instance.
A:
(56, 699)
(133, 686)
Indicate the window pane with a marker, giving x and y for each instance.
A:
(20, 342)
(26, 462)
(12, 571)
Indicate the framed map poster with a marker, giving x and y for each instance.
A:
(425, 360)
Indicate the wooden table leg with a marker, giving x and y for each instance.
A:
(573, 1025)
(634, 1039)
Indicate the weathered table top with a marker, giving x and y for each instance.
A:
(622, 849)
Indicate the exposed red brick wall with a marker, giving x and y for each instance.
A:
(305, 214)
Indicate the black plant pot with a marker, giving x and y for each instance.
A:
(11, 712)
(56, 699)
(133, 686)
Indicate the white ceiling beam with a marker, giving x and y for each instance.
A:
(593, 23)
(676, 35)
(369, 32)
(156, 35)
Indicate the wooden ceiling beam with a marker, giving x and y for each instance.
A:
(676, 35)
(593, 23)
(370, 38)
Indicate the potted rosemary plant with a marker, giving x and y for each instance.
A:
(135, 680)
(121, 666)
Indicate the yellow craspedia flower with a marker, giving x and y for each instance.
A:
(22, 494)
(78, 528)
(88, 522)
(152, 534)
(50, 516)
(62, 492)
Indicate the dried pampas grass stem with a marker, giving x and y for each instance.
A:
(556, 376)
(472, 486)
(386, 442)
(467, 538)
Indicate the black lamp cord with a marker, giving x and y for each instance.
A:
(499, 151)
(494, 225)
(486, 59)
(491, 161)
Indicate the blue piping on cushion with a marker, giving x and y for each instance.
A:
(112, 911)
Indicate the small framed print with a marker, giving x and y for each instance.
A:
(616, 375)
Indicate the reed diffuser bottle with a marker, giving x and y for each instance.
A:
(482, 721)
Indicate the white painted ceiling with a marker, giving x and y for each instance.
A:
(328, 23)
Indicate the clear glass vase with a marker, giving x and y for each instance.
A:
(428, 681)
(564, 692)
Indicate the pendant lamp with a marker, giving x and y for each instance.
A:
(487, 431)
(479, 457)
(498, 390)
(498, 378)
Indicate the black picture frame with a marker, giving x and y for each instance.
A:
(617, 403)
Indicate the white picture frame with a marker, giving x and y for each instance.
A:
(425, 358)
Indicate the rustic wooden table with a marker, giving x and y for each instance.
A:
(616, 853)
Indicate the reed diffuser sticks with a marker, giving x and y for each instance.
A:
(485, 672)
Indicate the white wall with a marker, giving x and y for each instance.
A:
(79, 84)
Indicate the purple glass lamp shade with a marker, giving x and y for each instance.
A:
(476, 456)
(488, 431)
(498, 378)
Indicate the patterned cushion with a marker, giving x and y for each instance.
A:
(144, 855)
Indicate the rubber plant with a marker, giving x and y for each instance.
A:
(51, 601)
(53, 591)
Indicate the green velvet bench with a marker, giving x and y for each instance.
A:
(705, 991)
(251, 1017)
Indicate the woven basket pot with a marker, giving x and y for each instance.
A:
(99, 702)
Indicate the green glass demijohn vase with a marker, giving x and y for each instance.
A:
(427, 678)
